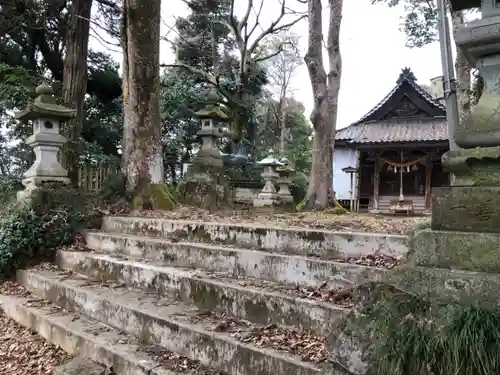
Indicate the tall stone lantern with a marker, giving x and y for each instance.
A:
(465, 218)
(204, 184)
(209, 155)
(46, 116)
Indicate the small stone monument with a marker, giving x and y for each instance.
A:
(268, 197)
(46, 116)
(284, 182)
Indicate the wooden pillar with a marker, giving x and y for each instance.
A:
(376, 182)
(351, 200)
(428, 174)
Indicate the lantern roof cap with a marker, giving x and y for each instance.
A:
(45, 105)
(212, 112)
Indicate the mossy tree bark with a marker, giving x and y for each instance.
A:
(326, 88)
(143, 151)
(74, 85)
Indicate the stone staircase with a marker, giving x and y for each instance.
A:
(158, 297)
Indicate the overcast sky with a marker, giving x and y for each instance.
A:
(373, 53)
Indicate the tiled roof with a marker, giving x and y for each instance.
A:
(422, 92)
(395, 130)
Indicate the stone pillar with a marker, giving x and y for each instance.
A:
(268, 197)
(46, 116)
(428, 174)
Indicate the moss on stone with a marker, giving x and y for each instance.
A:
(474, 167)
(312, 236)
(257, 310)
(154, 197)
(205, 297)
(200, 233)
(471, 251)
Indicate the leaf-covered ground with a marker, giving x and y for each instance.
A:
(23, 352)
(318, 220)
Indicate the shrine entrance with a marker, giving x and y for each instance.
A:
(400, 174)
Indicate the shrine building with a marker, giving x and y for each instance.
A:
(392, 155)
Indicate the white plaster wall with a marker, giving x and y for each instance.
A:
(342, 158)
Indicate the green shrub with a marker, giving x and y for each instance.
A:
(298, 189)
(33, 231)
(9, 186)
(417, 337)
(114, 188)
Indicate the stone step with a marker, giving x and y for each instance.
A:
(290, 269)
(157, 320)
(300, 241)
(81, 336)
(258, 301)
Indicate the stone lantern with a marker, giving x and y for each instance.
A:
(465, 217)
(46, 116)
(284, 182)
(204, 184)
(209, 154)
(268, 196)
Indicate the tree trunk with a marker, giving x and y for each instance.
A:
(74, 83)
(463, 75)
(143, 147)
(325, 87)
(142, 157)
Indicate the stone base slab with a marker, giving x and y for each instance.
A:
(448, 285)
(466, 208)
(471, 251)
(265, 202)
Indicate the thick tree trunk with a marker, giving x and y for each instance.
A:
(142, 157)
(325, 87)
(74, 83)
(463, 74)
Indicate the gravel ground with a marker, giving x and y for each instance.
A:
(23, 352)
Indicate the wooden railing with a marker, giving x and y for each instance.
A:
(91, 176)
